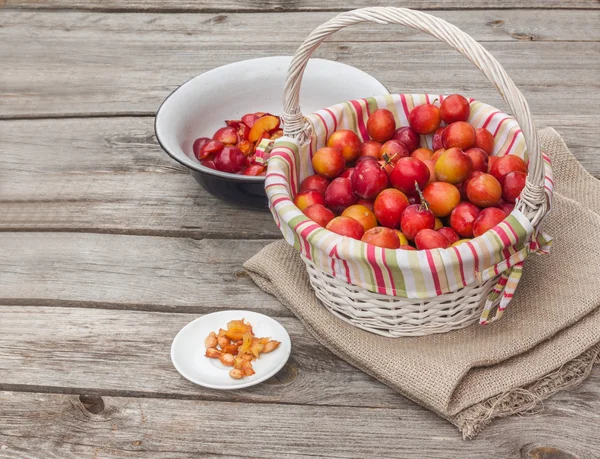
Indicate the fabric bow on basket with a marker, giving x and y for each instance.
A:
(504, 290)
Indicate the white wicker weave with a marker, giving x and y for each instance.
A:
(393, 316)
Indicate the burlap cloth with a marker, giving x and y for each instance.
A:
(548, 340)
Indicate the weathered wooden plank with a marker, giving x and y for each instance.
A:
(80, 350)
(73, 349)
(260, 6)
(63, 348)
(136, 272)
(34, 425)
(94, 63)
(109, 175)
(483, 25)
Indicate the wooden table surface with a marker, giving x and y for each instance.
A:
(109, 247)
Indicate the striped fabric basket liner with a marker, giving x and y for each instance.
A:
(398, 292)
(497, 255)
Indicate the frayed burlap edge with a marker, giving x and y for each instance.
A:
(471, 421)
(527, 399)
(523, 400)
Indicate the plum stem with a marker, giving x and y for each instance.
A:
(424, 203)
(388, 159)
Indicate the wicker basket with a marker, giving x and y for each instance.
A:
(399, 312)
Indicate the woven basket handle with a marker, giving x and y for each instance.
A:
(533, 201)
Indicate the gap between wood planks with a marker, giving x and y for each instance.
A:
(72, 390)
(282, 10)
(67, 116)
(425, 7)
(184, 233)
(116, 306)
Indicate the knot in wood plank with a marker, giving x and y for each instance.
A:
(92, 403)
(218, 19)
(286, 375)
(496, 23)
(522, 36)
(545, 452)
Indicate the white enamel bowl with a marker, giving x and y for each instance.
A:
(200, 106)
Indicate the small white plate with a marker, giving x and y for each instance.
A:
(187, 350)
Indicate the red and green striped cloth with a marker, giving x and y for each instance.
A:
(423, 274)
